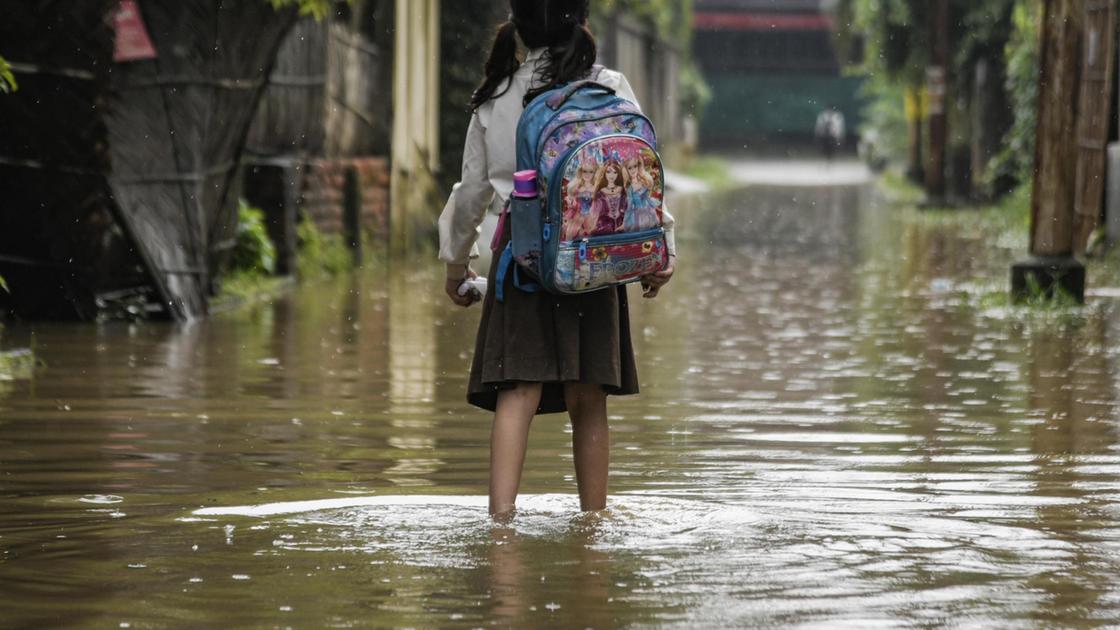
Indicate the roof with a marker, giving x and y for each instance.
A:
(763, 15)
(732, 21)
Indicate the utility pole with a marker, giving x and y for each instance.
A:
(936, 85)
(1052, 200)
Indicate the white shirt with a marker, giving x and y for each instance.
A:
(489, 160)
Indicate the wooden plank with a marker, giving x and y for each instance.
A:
(1095, 104)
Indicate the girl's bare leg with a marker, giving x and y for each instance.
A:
(509, 437)
(591, 446)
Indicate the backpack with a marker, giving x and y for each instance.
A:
(595, 218)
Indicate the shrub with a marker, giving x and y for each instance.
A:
(254, 251)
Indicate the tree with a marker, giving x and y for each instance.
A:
(984, 37)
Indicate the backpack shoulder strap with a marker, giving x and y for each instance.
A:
(561, 95)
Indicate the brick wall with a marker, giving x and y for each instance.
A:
(323, 189)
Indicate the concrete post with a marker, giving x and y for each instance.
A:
(415, 139)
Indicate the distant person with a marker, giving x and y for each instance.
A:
(830, 131)
(541, 352)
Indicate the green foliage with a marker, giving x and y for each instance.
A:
(672, 21)
(18, 364)
(1055, 298)
(713, 171)
(4, 285)
(321, 254)
(254, 251)
(895, 34)
(316, 8)
(7, 79)
(695, 91)
(884, 118)
(1016, 161)
(897, 50)
(240, 287)
(671, 18)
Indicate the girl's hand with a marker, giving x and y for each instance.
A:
(654, 281)
(451, 286)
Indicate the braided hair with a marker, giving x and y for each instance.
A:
(559, 26)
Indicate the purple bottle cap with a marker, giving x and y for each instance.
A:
(525, 184)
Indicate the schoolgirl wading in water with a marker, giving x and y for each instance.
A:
(537, 353)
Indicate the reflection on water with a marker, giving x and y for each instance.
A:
(828, 434)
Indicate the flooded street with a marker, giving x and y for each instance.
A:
(829, 435)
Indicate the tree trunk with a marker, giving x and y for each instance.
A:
(1055, 154)
(991, 117)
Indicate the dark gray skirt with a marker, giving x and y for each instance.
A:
(551, 339)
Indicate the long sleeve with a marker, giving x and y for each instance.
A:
(621, 86)
(466, 206)
(670, 225)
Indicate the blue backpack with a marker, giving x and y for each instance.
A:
(596, 219)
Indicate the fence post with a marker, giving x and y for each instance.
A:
(352, 213)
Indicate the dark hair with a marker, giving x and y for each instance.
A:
(558, 25)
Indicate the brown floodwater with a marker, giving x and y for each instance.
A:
(832, 433)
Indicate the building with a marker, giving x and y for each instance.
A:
(772, 66)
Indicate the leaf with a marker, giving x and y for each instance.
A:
(315, 8)
(7, 79)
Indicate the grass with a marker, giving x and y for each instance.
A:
(713, 171)
(1004, 229)
(1103, 269)
(18, 364)
(321, 254)
(245, 287)
(1005, 224)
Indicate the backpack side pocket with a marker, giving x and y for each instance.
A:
(525, 227)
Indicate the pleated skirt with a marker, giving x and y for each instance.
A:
(551, 339)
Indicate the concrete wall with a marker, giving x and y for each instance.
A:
(415, 137)
(652, 66)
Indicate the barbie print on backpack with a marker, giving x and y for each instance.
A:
(539, 351)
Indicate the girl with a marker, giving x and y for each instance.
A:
(537, 352)
(640, 214)
(581, 194)
(611, 198)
